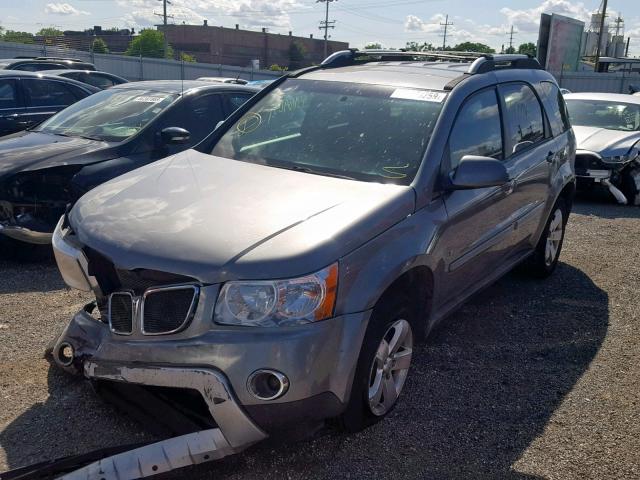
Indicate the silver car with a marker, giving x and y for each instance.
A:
(286, 266)
(607, 128)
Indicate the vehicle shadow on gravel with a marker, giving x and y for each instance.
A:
(600, 204)
(481, 389)
(28, 268)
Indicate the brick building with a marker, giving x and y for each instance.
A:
(117, 40)
(232, 46)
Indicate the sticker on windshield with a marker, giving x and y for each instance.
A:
(147, 99)
(419, 95)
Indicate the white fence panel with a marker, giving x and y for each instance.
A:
(138, 68)
(597, 82)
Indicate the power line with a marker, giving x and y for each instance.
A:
(326, 24)
(444, 35)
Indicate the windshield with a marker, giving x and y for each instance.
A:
(110, 115)
(604, 114)
(367, 132)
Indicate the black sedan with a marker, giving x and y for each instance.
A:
(38, 64)
(101, 137)
(27, 98)
(100, 80)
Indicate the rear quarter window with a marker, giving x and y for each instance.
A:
(555, 107)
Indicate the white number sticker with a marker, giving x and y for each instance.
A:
(419, 95)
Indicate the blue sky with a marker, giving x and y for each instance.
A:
(391, 23)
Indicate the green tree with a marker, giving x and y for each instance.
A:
(17, 37)
(373, 46)
(150, 43)
(185, 57)
(473, 47)
(419, 47)
(100, 46)
(277, 68)
(49, 32)
(528, 49)
(297, 53)
(510, 50)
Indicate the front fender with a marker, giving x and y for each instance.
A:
(367, 272)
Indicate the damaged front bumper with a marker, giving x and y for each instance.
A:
(317, 359)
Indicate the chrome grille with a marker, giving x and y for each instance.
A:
(121, 313)
(168, 309)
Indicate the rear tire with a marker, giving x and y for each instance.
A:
(545, 257)
(383, 364)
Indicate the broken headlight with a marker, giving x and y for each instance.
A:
(279, 302)
(632, 154)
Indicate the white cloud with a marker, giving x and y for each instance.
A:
(248, 13)
(433, 28)
(63, 9)
(528, 20)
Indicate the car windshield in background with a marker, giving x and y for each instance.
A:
(604, 114)
(367, 132)
(110, 115)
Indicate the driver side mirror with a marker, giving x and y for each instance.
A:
(174, 135)
(478, 172)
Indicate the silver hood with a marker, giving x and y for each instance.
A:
(216, 219)
(605, 142)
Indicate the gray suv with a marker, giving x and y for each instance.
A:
(285, 266)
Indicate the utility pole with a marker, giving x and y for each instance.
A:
(164, 22)
(598, 48)
(326, 24)
(511, 50)
(444, 35)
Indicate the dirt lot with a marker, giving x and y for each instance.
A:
(529, 380)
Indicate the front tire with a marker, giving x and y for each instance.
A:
(383, 365)
(545, 257)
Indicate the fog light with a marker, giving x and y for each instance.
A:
(66, 353)
(267, 384)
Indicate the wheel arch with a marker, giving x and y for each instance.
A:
(417, 284)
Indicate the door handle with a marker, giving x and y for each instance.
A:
(509, 187)
(550, 157)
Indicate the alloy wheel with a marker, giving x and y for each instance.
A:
(390, 367)
(554, 237)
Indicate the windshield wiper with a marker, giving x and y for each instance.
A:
(74, 136)
(299, 168)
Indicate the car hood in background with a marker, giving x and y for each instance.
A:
(26, 151)
(217, 219)
(605, 142)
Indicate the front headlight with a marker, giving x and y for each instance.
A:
(631, 155)
(279, 302)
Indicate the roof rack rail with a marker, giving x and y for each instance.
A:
(479, 62)
(500, 61)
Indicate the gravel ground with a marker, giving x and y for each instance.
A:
(529, 380)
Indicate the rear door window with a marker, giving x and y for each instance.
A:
(37, 67)
(201, 115)
(236, 99)
(555, 107)
(8, 94)
(477, 129)
(97, 80)
(524, 124)
(47, 93)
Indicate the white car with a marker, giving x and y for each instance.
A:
(607, 129)
(237, 81)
